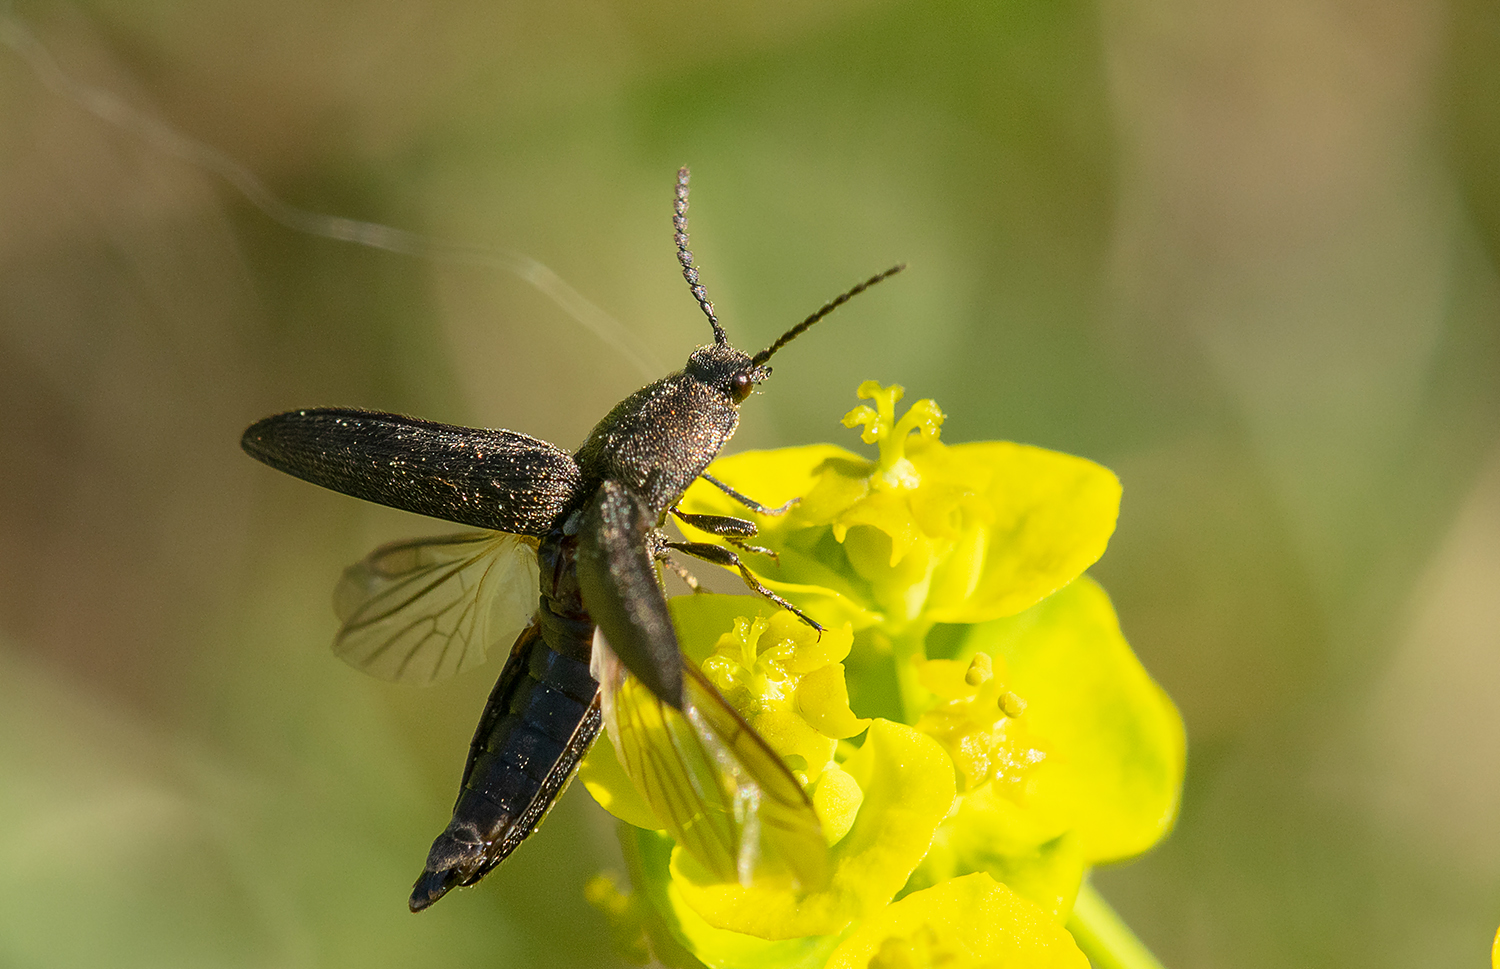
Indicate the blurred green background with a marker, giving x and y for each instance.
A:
(1242, 253)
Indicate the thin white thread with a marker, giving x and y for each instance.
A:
(111, 109)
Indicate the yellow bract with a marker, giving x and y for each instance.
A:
(971, 922)
(907, 782)
(607, 782)
(1117, 741)
(1108, 786)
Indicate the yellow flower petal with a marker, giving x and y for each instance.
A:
(1052, 516)
(836, 799)
(823, 699)
(971, 922)
(1115, 741)
(907, 782)
(604, 776)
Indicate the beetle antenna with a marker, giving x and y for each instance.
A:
(827, 308)
(685, 256)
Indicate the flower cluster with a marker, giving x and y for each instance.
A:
(971, 729)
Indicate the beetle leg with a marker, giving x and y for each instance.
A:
(723, 556)
(729, 529)
(757, 549)
(720, 525)
(682, 573)
(749, 503)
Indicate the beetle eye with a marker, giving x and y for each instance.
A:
(741, 386)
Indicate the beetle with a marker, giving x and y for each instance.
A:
(567, 562)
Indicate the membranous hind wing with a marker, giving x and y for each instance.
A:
(496, 479)
(420, 611)
(722, 792)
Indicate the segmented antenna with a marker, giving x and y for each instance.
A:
(684, 256)
(827, 308)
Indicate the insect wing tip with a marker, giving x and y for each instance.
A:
(254, 441)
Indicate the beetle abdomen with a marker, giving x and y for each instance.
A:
(541, 718)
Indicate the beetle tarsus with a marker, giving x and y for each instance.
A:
(687, 577)
(769, 553)
(750, 503)
(719, 555)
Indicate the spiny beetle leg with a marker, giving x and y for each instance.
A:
(682, 573)
(723, 556)
(757, 549)
(721, 525)
(729, 529)
(749, 503)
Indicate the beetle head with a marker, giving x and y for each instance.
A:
(731, 372)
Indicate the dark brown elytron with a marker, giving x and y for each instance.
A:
(570, 544)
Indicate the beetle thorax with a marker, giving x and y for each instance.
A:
(657, 440)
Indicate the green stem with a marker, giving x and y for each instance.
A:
(1103, 935)
(908, 647)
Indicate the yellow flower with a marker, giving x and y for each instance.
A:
(978, 722)
(1039, 748)
(926, 532)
